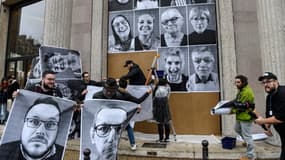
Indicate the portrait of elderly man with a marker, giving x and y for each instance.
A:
(104, 132)
(204, 64)
(37, 127)
(202, 26)
(174, 66)
(173, 27)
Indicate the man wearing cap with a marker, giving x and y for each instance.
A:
(275, 108)
(135, 74)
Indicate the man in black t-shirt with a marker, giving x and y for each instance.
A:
(275, 108)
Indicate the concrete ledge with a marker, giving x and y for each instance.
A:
(180, 150)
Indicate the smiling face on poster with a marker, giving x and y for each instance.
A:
(174, 62)
(64, 62)
(37, 127)
(100, 133)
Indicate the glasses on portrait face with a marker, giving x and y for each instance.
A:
(36, 123)
(199, 18)
(172, 20)
(205, 59)
(104, 130)
(117, 24)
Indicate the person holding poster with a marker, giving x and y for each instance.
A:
(110, 91)
(46, 85)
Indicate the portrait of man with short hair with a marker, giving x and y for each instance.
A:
(100, 133)
(174, 62)
(37, 127)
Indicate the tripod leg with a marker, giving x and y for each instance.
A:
(173, 130)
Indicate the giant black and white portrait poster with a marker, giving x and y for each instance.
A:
(174, 62)
(37, 127)
(158, 25)
(91, 90)
(203, 63)
(102, 123)
(35, 71)
(136, 91)
(146, 106)
(64, 62)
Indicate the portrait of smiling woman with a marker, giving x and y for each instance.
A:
(121, 37)
(146, 25)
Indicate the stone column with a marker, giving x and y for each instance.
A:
(99, 39)
(4, 20)
(272, 41)
(227, 59)
(57, 27)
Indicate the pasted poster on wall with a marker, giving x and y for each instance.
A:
(153, 25)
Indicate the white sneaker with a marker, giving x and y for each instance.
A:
(133, 147)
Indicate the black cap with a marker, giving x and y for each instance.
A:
(111, 83)
(128, 62)
(267, 75)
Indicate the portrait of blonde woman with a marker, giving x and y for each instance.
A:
(147, 30)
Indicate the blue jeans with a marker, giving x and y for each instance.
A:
(130, 134)
(3, 112)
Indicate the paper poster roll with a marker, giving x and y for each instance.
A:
(222, 108)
